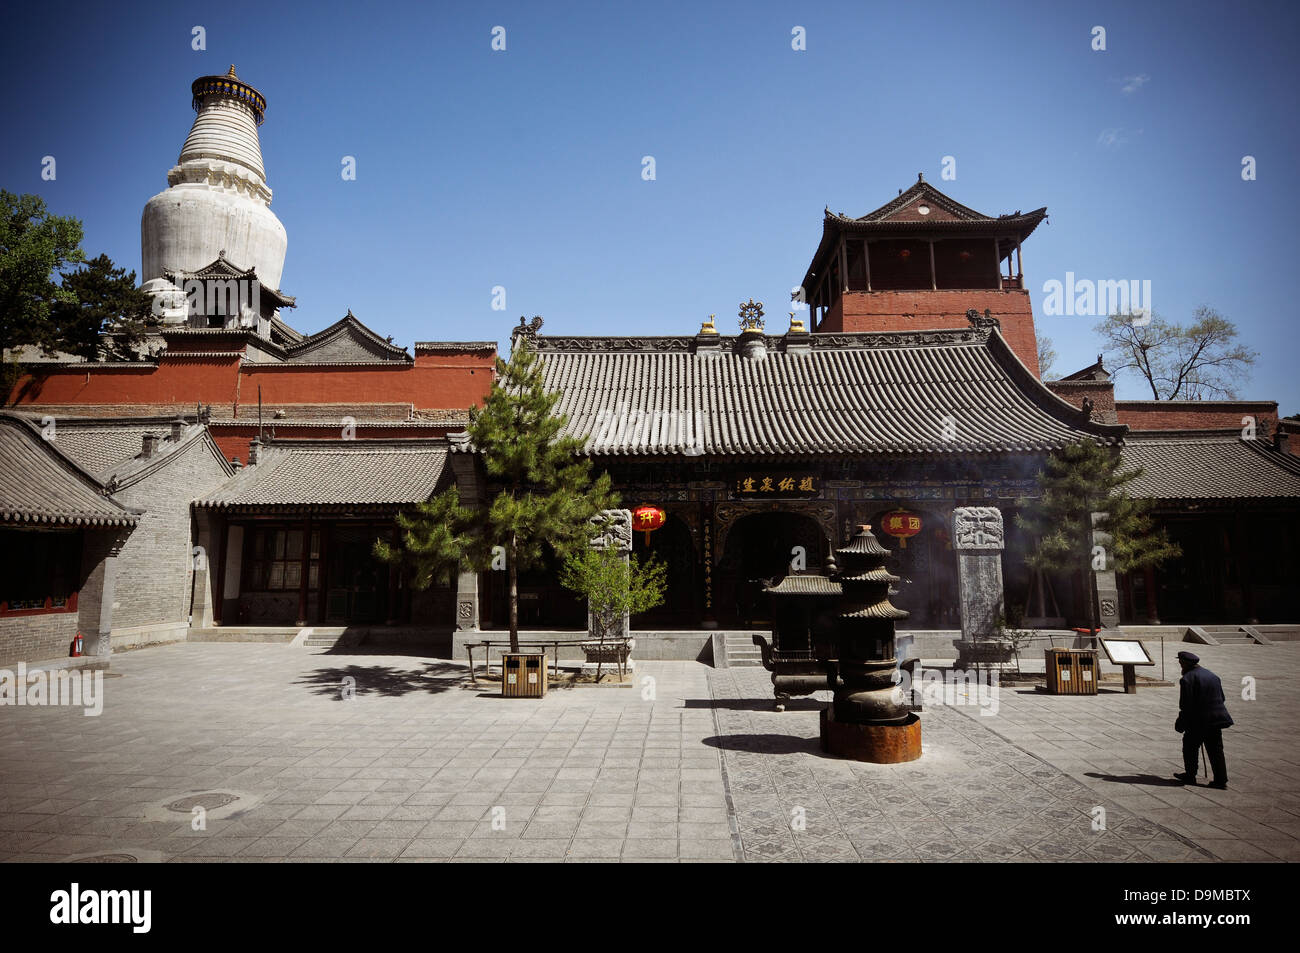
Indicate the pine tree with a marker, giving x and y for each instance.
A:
(1081, 479)
(546, 495)
(107, 316)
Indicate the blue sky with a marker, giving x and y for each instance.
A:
(523, 168)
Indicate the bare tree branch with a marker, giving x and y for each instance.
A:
(1190, 362)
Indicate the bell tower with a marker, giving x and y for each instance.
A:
(922, 262)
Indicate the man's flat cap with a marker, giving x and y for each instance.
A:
(1189, 656)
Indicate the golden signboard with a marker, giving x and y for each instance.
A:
(769, 484)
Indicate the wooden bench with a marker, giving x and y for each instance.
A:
(612, 651)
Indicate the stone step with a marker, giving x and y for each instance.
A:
(744, 663)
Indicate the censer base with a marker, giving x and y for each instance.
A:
(877, 744)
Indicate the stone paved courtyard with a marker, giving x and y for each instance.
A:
(419, 767)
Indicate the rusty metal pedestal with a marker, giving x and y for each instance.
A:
(878, 744)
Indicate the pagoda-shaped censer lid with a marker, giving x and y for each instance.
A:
(864, 579)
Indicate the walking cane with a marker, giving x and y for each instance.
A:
(1205, 762)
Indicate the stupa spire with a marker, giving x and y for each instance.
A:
(217, 200)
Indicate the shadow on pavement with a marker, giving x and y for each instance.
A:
(754, 704)
(1148, 779)
(435, 677)
(766, 744)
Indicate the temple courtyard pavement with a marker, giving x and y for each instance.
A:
(211, 752)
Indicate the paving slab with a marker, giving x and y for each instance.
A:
(415, 765)
(690, 764)
(1257, 818)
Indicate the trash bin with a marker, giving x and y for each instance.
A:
(523, 675)
(1072, 671)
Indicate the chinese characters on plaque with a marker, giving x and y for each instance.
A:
(769, 484)
(897, 524)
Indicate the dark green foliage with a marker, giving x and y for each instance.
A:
(613, 587)
(106, 315)
(1081, 479)
(546, 497)
(95, 311)
(34, 246)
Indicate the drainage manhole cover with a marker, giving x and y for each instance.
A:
(108, 859)
(209, 802)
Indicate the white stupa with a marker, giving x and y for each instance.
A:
(214, 219)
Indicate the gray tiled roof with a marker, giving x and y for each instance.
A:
(345, 341)
(100, 449)
(337, 473)
(41, 485)
(839, 393)
(1209, 465)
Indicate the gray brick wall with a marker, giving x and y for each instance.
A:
(156, 566)
(36, 638)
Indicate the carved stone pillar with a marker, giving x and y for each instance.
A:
(618, 537)
(1107, 587)
(469, 481)
(467, 602)
(978, 539)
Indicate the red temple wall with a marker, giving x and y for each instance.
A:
(427, 387)
(181, 382)
(1197, 415)
(436, 382)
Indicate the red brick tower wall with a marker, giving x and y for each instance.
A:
(925, 310)
(1102, 394)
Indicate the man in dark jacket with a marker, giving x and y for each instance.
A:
(1202, 716)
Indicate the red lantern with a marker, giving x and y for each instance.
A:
(901, 524)
(647, 519)
(904, 254)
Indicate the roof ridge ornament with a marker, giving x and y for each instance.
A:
(751, 315)
(984, 321)
(528, 331)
